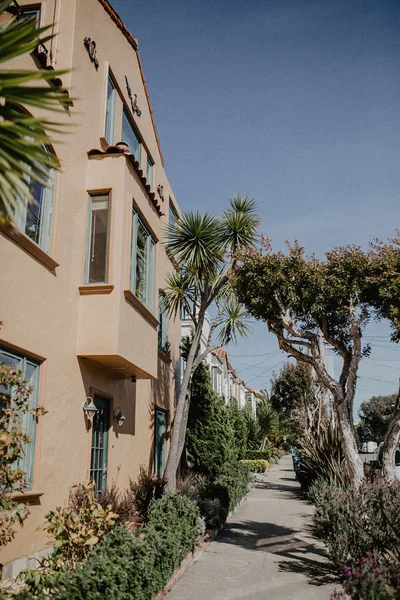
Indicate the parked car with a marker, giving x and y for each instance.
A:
(369, 448)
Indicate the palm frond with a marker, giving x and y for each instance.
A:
(239, 223)
(195, 242)
(234, 322)
(23, 138)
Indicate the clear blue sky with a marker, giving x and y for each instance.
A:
(293, 102)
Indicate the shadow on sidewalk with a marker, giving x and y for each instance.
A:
(299, 554)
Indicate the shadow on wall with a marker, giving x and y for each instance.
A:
(120, 392)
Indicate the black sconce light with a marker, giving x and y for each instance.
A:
(118, 416)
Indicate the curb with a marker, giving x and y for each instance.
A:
(192, 557)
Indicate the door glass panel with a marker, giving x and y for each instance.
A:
(99, 455)
(160, 439)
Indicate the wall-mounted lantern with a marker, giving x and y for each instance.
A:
(118, 416)
(160, 190)
(89, 408)
(90, 46)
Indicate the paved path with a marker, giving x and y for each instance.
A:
(266, 552)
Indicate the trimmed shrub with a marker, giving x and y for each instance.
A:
(126, 565)
(255, 466)
(265, 454)
(230, 486)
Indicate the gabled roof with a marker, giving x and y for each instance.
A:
(134, 43)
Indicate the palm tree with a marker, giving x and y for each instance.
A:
(23, 138)
(203, 248)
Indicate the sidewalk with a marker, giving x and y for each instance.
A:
(266, 552)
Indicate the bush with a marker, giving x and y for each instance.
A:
(123, 503)
(210, 439)
(255, 466)
(354, 521)
(367, 581)
(144, 491)
(192, 485)
(77, 527)
(126, 565)
(14, 403)
(213, 512)
(265, 454)
(322, 457)
(230, 486)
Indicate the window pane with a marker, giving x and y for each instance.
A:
(149, 172)
(97, 248)
(39, 211)
(30, 372)
(160, 438)
(34, 14)
(163, 327)
(142, 263)
(129, 136)
(110, 111)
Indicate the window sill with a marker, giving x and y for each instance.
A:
(20, 239)
(27, 496)
(102, 288)
(133, 301)
(167, 359)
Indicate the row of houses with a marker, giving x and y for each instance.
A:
(225, 380)
(83, 272)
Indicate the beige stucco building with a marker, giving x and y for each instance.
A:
(81, 274)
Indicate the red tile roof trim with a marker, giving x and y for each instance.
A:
(134, 43)
(111, 151)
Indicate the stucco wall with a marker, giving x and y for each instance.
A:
(44, 314)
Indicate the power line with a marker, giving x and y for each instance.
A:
(373, 379)
(270, 369)
(245, 355)
(257, 364)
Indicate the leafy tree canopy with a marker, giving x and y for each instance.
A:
(375, 415)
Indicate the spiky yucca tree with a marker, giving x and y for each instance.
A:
(203, 248)
(23, 138)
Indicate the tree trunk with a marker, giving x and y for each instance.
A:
(178, 433)
(353, 460)
(391, 442)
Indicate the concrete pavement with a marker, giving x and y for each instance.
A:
(265, 552)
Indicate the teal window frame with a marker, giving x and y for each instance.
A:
(160, 436)
(163, 344)
(130, 136)
(142, 259)
(90, 241)
(110, 110)
(149, 171)
(30, 370)
(99, 445)
(34, 218)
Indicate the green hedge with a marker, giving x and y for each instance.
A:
(256, 466)
(258, 454)
(126, 565)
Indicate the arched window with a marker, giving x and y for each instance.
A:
(163, 343)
